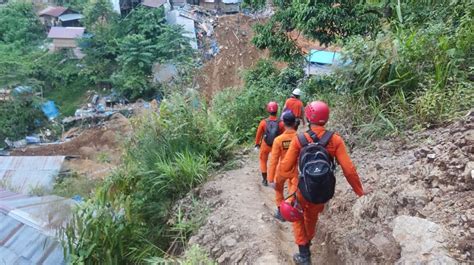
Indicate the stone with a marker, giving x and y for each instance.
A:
(386, 244)
(431, 157)
(229, 241)
(223, 258)
(469, 136)
(469, 171)
(422, 241)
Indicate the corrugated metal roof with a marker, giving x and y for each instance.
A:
(230, 1)
(54, 11)
(22, 173)
(323, 57)
(66, 32)
(154, 3)
(69, 17)
(27, 228)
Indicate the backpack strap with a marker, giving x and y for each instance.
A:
(326, 137)
(313, 136)
(303, 141)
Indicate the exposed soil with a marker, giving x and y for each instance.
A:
(95, 151)
(234, 35)
(425, 176)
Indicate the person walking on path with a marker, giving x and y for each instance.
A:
(279, 148)
(313, 153)
(268, 129)
(295, 105)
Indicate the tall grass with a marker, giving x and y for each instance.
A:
(242, 110)
(168, 155)
(410, 76)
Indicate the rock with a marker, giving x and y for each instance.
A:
(469, 171)
(421, 153)
(469, 136)
(223, 258)
(431, 157)
(422, 241)
(229, 241)
(378, 166)
(386, 244)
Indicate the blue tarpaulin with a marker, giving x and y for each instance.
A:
(324, 57)
(49, 109)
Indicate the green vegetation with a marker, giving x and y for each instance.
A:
(168, 155)
(322, 20)
(120, 53)
(73, 184)
(193, 255)
(411, 64)
(242, 110)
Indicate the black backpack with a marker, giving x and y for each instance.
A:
(316, 166)
(272, 130)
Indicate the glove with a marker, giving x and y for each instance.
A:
(272, 185)
(257, 147)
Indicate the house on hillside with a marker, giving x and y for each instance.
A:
(50, 15)
(220, 6)
(175, 18)
(229, 6)
(28, 228)
(323, 62)
(71, 20)
(65, 37)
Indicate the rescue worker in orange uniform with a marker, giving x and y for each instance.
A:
(295, 105)
(279, 148)
(267, 131)
(304, 230)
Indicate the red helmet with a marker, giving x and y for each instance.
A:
(272, 107)
(317, 112)
(291, 213)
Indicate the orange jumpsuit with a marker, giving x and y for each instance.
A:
(305, 229)
(279, 148)
(296, 106)
(264, 148)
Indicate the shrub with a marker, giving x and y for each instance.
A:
(19, 117)
(412, 76)
(242, 110)
(167, 155)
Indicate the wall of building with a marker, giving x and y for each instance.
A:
(64, 43)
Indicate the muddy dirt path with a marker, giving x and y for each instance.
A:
(241, 228)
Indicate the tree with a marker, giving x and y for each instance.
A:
(324, 21)
(19, 25)
(19, 117)
(99, 13)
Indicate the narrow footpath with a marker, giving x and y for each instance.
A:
(413, 177)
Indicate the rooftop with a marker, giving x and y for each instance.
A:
(69, 17)
(66, 32)
(323, 57)
(27, 228)
(23, 173)
(54, 11)
(154, 3)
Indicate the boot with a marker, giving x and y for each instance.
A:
(278, 215)
(264, 179)
(304, 256)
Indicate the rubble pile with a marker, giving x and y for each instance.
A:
(229, 51)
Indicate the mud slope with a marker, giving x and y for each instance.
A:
(240, 228)
(234, 36)
(421, 209)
